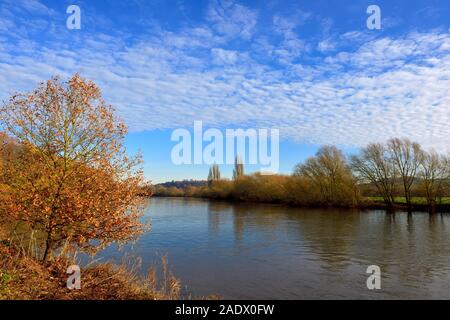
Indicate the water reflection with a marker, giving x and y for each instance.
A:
(249, 251)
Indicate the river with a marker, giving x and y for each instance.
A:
(261, 251)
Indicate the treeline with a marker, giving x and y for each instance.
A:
(183, 184)
(398, 171)
(402, 167)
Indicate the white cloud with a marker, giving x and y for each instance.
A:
(231, 19)
(34, 6)
(389, 86)
(221, 56)
(325, 45)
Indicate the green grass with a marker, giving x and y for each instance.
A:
(5, 278)
(414, 200)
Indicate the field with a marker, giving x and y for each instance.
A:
(414, 200)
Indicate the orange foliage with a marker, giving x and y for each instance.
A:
(70, 177)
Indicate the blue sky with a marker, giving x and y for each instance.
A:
(311, 69)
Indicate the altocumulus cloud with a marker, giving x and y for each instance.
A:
(379, 88)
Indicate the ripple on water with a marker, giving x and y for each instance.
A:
(247, 251)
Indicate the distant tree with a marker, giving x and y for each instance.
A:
(71, 179)
(407, 156)
(434, 175)
(184, 183)
(220, 189)
(329, 172)
(238, 171)
(174, 192)
(214, 174)
(374, 164)
(147, 190)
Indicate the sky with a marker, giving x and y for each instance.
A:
(311, 69)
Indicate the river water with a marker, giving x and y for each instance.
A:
(260, 251)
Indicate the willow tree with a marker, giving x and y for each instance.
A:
(375, 165)
(407, 156)
(71, 179)
(329, 173)
(434, 173)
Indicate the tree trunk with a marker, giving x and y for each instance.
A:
(48, 249)
(407, 198)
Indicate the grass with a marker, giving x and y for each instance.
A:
(25, 278)
(414, 200)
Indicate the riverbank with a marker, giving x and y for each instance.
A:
(364, 204)
(419, 207)
(301, 191)
(25, 278)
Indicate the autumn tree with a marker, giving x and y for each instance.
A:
(71, 178)
(407, 156)
(8, 149)
(5, 148)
